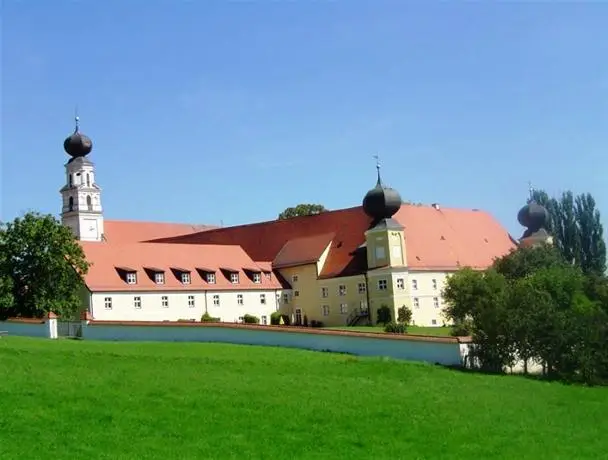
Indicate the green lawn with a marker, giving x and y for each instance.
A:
(93, 400)
(435, 331)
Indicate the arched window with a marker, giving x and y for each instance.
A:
(71, 203)
(89, 203)
(88, 180)
(71, 179)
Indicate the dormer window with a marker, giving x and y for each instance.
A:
(234, 278)
(210, 278)
(131, 278)
(128, 274)
(159, 278)
(186, 278)
(257, 278)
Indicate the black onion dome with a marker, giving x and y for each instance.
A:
(533, 215)
(381, 202)
(78, 145)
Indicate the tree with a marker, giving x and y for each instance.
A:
(303, 209)
(43, 264)
(6, 282)
(404, 315)
(526, 260)
(575, 224)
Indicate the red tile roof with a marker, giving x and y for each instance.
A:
(108, 258)
(300, 251)
(436, 239)
(124, 231)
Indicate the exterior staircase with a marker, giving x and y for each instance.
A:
(356, 316)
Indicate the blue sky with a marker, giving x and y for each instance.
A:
(210, 111)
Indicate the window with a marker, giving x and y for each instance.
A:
(325, 310)
(400, 283)
(380, 253)
(186, 278)
(324, 292)
(88, 180)
(71, 180)
(89, 203)
(257, 278)
(164, 301)
(285, 298)
(362, 288)
(159, 278)
(216, 299)
(264, 320)
(396, 250)
(234, 278)
(414, 285)
(210, 277)
(434, 322)
(71, 204)
(363, 305)
(137, 302)
(342, 289)
(434, 284)
(436, 302)
(131, 278)
(107, 302)
(296, 293)
(343, 308)
(416, 302)
(382, 285)
(190, 301)
(239, 299)
(294, 278)
(263, 299)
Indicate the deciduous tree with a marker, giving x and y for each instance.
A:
(303, 209)
(44, 264)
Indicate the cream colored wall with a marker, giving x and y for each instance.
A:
(123, 307)
(352, 298)
(302, 294)
(394, 248)
(400, 291)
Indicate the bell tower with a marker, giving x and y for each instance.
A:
(534, 217)
(81, 210)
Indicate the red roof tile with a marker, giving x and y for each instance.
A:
(305, 250)
(436, 239)
(107, 257)
(124, 231)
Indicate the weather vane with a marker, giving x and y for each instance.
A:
(76, 118)
(530, 189)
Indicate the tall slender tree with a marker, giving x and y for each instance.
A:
(576, 227)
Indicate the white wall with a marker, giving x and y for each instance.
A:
(229, 310)
(445, 352)
(426, 313)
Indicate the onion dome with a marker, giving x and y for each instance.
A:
(77, 145)
(533, 215)
(381, 202)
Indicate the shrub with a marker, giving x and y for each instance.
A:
(250, 319)
(404, 315)
(395, 328)
(184, 320)
(275, 318)
(305, 321)
(315, 323)
(286, 320)
(384, 315)
(207, 318)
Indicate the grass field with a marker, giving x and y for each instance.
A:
(434, 331)
(93, 400)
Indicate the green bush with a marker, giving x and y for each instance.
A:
(395, 328)
(305, 321)
(384, 315)
(404, 315)
(275, 318)
(250, 319)
(315, 323)
(207, 318)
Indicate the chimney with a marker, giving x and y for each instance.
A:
(436, 206)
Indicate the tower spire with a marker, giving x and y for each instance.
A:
(379, 182)
(76, 120)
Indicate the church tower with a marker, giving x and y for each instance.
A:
(534, 217)
(81, 195)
